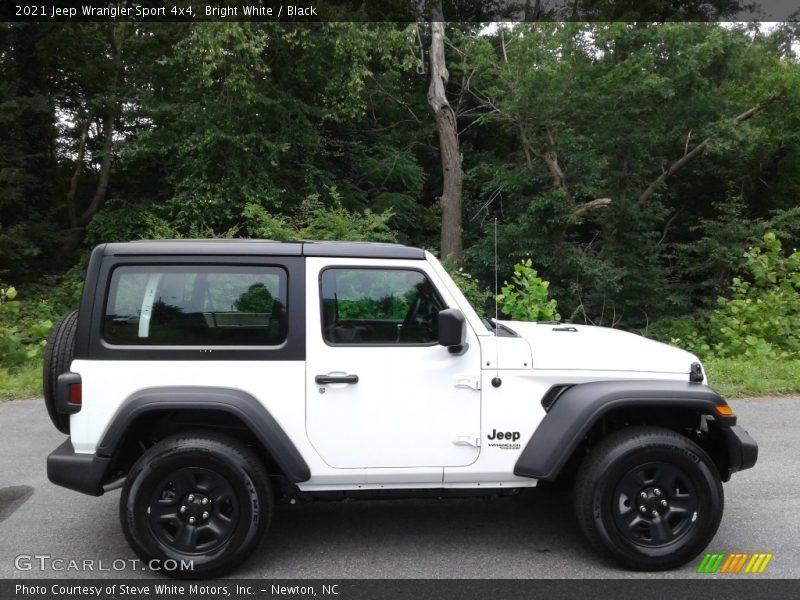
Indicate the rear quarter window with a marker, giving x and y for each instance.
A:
(196, 305)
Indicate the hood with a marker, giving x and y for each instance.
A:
(584, 347)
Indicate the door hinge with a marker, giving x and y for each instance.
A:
(467, 440)
(472, 383)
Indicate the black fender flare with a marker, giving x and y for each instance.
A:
(578, 408)
(228, 400)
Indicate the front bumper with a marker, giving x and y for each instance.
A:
(80, 472)
(742, 449)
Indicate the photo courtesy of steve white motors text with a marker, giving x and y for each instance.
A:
(173, 589)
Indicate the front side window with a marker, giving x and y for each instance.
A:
(377, 306)
(211, 305)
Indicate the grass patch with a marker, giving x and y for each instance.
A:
(21, 382)
(742, 377)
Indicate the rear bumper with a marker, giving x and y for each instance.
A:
(742, 449)
(80, 472)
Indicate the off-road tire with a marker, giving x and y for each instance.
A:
(618, 498)
(199, 456)
(57, 358)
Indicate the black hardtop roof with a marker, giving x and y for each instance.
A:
(247, 247)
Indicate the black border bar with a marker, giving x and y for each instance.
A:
(706, 587)
(464, 11)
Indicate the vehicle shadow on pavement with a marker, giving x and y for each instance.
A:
(11, 498)
(453, 538)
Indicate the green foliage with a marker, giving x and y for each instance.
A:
(260, 223)
(761, 318)
(136, 222)
(554, 92)
(316, 221)
(526, 297)
(481, 298)
(24, 327)
(388, 307)
(322, 130)
(241, 116)
(256, 299)
(689, 332)
(123, 223)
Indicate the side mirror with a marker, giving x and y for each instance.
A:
(453, 330)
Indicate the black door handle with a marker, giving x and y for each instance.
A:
(336, 378)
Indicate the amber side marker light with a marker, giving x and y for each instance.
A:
(724, 410)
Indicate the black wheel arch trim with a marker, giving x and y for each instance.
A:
(235, 402)
(87, 472)
(578, 408)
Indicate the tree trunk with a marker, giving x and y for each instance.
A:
(443, 114)
(80, 219)
(99, 197)
(76, 174)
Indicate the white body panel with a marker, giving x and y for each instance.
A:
(411, 403)
(278, 385)
(589, 348)
(419, 417)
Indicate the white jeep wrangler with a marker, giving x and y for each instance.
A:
(212, 378)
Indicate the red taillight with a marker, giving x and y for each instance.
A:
(75, 394)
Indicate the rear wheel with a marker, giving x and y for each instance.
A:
(198, 498)
(57, 359)
(649, 498)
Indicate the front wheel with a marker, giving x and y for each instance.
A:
(196, 499)
(648, 497)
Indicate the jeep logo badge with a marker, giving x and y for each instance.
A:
(500, 435)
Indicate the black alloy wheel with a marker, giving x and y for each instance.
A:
(199, 499)
(655, 504)
(648, 498)
(193, 510)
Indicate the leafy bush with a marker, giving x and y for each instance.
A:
(481, 299)
(762, 316)
(316, 220)
(24, 327)
(256, 299)
(331, 221)
(62, 292)
(689, 332)
(526, 297)
(388, 307)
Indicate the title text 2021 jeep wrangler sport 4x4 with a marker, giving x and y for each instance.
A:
(210, 378)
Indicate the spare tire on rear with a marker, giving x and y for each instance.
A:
(57, 359)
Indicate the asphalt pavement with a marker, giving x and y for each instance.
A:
(533, 535)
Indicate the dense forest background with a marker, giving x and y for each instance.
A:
(634, 164)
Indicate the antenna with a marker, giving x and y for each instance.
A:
(496, 381)
(496, 291)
